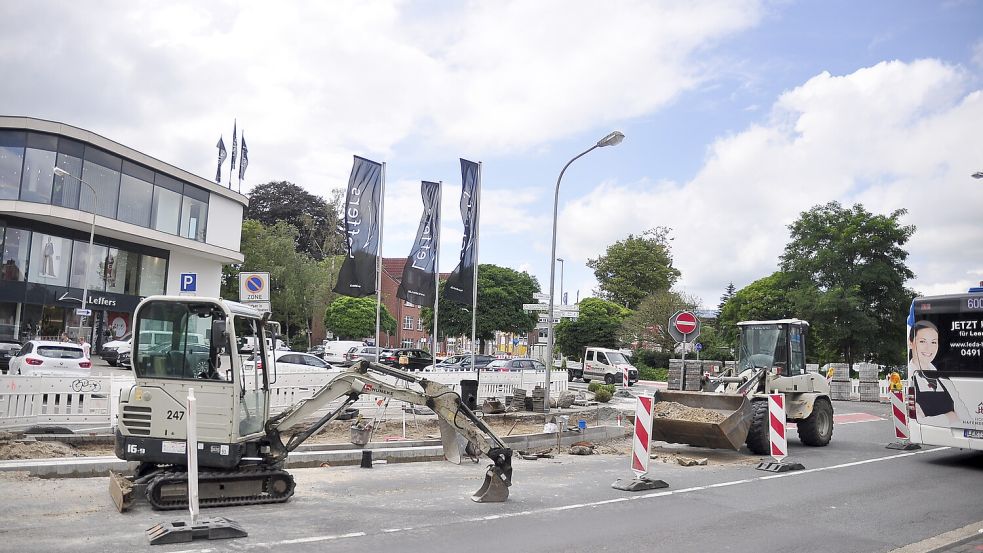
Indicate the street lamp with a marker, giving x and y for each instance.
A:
(92, 233)
(612, 139)
(562, 302)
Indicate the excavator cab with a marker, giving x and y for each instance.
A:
(777, 346)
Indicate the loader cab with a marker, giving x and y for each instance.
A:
(774, 345)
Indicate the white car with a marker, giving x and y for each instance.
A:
(110, 350)
(295, 361)
(335, 350)
(44, 358)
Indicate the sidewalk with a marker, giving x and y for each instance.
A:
(967, 539)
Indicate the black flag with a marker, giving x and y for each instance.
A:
(418, 284)
(232, 168)
(243, 157)
(221, 159)
(460, 285)
(357, 275)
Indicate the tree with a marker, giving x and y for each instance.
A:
(598, 324)
(319, 223)
(635, 267)
(765, 299)
(646, 326)
(501, 293)
(850, 268)
(354, 318)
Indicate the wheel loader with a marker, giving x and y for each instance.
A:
(771, 360)
(242, 448)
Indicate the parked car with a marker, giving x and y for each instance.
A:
(463, 362)
(409, 359)
(42, 357)
(335, 350)
(516, 364)
(110, 350)
(362, 352)
(300, 362)
(124, 361)
(317, 350)
(8, 349)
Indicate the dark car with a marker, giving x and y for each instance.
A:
(409, 359)
(8, 349)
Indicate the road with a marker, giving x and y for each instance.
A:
(855, 495)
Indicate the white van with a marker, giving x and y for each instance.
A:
(604, 364)
(335, 350)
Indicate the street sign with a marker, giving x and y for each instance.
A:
(541, 297)
(684, 327)
(254, 287)
(699, 346)
(189, 282)
(535, 307)
(566, 312)
(260, 305)
(83, 312)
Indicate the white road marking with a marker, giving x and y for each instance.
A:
(665, 493)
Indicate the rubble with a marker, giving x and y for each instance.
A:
(678, 411)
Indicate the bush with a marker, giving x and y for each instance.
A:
(648, 373)
(603, 395)
(652, 359)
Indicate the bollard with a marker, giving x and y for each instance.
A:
(366, 459)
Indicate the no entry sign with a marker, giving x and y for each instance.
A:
(684, 326)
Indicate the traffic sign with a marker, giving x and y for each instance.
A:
(189, 282)
(684, 327)
(541, 297)
(699, 346)
(83, 312)
(535, 307)
(254, 287)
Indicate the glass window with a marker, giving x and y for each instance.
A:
(50, 256)
(88, 272)
(65, 191)
(172, 341)
(136, 194)
(406, 343)
(194, 214)
(152, 273)
(122, 271)
(15, 250)
(11, 162)
(39, 168)
(166, 210)
(102, 172)
(407, 323)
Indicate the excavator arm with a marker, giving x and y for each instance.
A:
(454, 417)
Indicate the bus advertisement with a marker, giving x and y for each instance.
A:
(945, 370)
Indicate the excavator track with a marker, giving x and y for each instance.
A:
(169, 489)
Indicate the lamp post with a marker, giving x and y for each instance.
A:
(612, 139)
(562, 302)
(92, 233)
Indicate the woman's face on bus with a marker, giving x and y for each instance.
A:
(925, 345)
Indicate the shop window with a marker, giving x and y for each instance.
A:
(11, 162)
(122, 272)
(65, 190)
(153, 271)
(8, 321)
(50, 257)
(39, 168)
(102, 172)
(88, 272)
(16, 246)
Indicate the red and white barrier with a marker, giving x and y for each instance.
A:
(624, 377)
(643, 435)
(900, 416)
(776, 420)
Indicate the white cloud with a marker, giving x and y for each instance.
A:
(892, 136)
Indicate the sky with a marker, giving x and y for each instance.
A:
(738, 114)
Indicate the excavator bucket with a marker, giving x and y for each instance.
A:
(121, 490)
(730, 415)
(495, 488)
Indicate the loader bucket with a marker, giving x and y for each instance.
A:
(729, 433)
(495, 488)
(121, 490)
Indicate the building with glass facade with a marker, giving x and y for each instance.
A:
(153, 223)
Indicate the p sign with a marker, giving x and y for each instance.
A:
(189, 282)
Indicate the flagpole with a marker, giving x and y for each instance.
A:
(235, 143)
(436, 271)
(378, 265)
(474, 291)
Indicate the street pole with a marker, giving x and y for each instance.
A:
(92, 233)
(562, 302)
(612, 139)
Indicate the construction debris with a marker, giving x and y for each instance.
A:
(678, 411)
(691, 462)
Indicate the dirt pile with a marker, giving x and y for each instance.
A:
(14, 447)
(678, 411)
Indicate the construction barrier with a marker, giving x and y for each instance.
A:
(776, 420)
(900, 416)
(643, 434)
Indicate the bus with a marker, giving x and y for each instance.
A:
(945, 370)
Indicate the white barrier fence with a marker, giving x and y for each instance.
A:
(91, 403)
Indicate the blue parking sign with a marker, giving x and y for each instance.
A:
(189, 282)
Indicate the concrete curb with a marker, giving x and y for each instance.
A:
(312, 455)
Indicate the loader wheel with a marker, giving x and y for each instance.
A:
(609, 379)
(758, 436)
(817, 429)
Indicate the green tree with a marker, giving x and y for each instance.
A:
(850, 266)
(646, 326)
(319, 223)
(501, 293)
(598, 324)
(765, 299)
(354, 318)
(635, 267)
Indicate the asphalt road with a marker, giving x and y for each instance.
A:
(854, 496)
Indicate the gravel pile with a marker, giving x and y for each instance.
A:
(678, 411)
